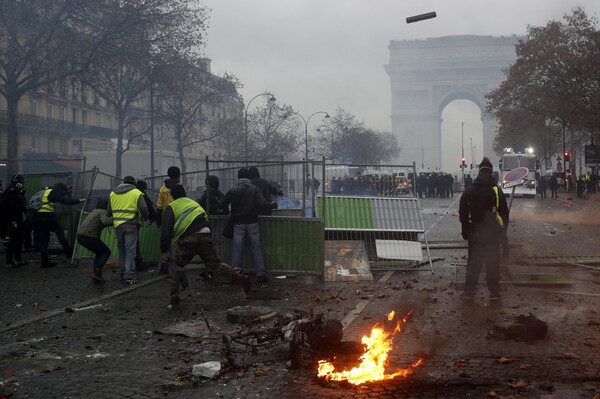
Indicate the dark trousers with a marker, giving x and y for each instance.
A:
(15, 246)
(45, 223)
(96, 246)
(486, 253)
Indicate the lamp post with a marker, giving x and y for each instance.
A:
(306, 152)
(271, 98)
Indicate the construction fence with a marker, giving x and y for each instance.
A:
(369, 208)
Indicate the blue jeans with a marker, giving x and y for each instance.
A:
(127, 238)
(239, 233)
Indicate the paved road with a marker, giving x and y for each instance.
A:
(62, 336)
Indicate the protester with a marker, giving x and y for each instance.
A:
(483, 214)
(88, 236)
(143, 186)
(164, 195)
(14, 207)
(127, 206)
(246, 203)
(553, 186)
(45, 221)
(266, 189)
(210, 198)
(185, 226)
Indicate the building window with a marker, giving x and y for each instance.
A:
(74, 115)
(50, 145)
(34, 142)
(50, 113)
(35, 109)
(63, 147)
(84, 118)
(63, 113)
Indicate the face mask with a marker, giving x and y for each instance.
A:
(19, 185)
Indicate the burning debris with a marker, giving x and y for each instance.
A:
(373, 361)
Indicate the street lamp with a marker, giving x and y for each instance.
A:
(306, 153)
(271, 98)
(306, 129)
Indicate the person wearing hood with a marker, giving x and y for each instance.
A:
(210, 198)
(483, 214)
(127, 206)
(88, 236)
(14, 207)
(266, 189)
(247, 203)
(164, 195)
(46, 222)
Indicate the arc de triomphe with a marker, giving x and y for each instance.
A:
(427, 75)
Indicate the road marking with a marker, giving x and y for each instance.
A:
(83, 304)
(362, 304)
(439, 219)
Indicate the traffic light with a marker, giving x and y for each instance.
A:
(463, 162)
(567, 156)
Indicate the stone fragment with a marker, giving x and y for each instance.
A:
(207, 369)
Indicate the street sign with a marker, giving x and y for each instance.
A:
(513, 183)
(516, 174)
(592, 155)
(559, 168)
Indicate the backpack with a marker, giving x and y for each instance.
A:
(35, 202)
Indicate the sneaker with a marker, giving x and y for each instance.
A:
(96, 274)
(467, 294)
(262, 279)
(11, 265)
(495, 296)
(175, 299)
(21, 263)
(131, 281)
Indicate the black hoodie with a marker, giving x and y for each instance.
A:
(479, 200)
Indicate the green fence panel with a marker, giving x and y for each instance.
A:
(347, 213)
(292, 244)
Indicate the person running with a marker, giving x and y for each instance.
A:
(88, 236)
(186, 228)
(46, 222)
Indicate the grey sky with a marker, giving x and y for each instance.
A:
(316, 55)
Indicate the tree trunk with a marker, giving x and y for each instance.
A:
(119, 152)
(12, 132)
(178, 134)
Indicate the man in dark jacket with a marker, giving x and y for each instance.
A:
(210, 198)
(266, 189)
(45, 221)
(14, 207)
(483, 214)
(185, 224)
(246, 204)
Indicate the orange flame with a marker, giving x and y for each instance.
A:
(373, 361)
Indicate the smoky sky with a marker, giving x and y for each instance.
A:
(318, 55)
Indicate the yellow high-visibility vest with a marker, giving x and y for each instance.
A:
(124, 206)
(185, 211)
(47, 207)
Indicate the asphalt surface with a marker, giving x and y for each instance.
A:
(63, 336)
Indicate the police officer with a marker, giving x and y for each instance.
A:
(127, 206)
(483, 214)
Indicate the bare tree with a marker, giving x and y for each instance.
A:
(44, 41)
(124, 72)
(274, 131)
(188, 95)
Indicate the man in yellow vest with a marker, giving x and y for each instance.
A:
(186, 228)
(127, 206)
(483, 213)
(45, 222)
